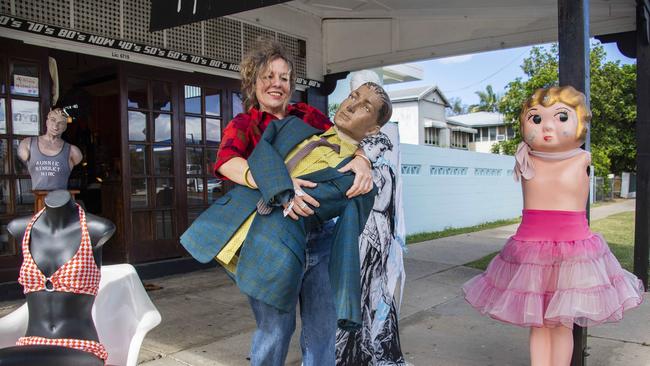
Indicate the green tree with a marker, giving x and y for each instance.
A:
(488, 101)
(613, 106)
(457, 107)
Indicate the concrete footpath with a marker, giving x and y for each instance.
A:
(207, 321)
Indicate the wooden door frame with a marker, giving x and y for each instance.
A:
(177, 80)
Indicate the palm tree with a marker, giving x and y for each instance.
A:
(489, 101)
(457, 107)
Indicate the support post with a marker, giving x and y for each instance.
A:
(642, 221)
(573, 39)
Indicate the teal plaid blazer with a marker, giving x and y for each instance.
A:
(272, 258)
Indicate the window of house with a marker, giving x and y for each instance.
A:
(510, 133)
(493, 133)
(501, 133)
(431, 136)
(459, 139)
(484, 134)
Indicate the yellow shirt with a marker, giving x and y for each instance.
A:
(318, 159)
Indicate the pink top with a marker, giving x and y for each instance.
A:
(553, 225)
(79, 275)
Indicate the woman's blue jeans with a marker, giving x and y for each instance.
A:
(317, 313)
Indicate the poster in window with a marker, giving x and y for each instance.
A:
(25, 117)
(25, 85)
(3, 117)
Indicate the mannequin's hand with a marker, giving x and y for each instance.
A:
(362, 177)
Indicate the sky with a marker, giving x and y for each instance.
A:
(461, 76)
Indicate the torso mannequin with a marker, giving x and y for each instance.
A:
(558, 185)
(55, 238)
(49, 169)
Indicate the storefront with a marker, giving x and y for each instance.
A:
(149, 134)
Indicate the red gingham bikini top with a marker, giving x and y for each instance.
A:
(79, 275)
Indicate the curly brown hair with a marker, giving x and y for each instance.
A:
(560, 94)
(255, 62)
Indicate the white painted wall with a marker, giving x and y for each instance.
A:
(406, 116)
(482, 146)
(435, 202)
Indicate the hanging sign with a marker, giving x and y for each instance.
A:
(118, 45)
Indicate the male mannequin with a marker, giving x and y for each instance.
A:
(41, 154)
(55, 239)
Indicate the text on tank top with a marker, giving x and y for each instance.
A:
(48, 173)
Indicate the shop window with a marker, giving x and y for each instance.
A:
(137, 126)
(24, 79)
(212, 103)
(20, 117)
(138, 94)
(3, 116)
(161, 96)
(202, 137)
(25, 117)
(151, 156)
(237, 106)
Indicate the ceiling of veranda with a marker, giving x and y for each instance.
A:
(369, 33)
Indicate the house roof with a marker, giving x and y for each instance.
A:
(477, 119)
(414, 94)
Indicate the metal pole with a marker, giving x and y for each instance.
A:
(573, 39)
(642, 221)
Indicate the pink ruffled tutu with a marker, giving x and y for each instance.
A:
(554, 271)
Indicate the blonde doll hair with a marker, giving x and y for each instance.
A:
(560, 94)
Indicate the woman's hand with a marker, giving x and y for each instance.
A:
(301, 201)
(362, 176)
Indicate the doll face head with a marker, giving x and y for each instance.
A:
(555, 119)
(552, 128)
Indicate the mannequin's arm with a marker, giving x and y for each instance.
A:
(75, 156)
(23, 149)
(100, 230)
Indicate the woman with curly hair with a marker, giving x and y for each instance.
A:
(268, 81)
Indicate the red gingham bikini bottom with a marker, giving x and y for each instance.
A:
(93, 347)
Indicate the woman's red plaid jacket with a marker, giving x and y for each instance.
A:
(243, 133)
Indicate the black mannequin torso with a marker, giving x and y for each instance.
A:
(55, 239)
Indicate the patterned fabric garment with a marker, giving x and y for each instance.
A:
(93, 347)
(80, 275)
(319, 158)
(243, 133)
(377, 343)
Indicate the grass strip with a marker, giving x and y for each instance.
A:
(451, 231)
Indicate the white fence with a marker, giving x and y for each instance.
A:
(456, 188)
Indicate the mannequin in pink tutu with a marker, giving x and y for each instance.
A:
(554, 271)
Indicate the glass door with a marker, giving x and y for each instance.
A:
(152, 152)
(202, 130)
(24, 99)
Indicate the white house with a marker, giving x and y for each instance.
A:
(422, 120)
(420, 113)
(489, 126)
